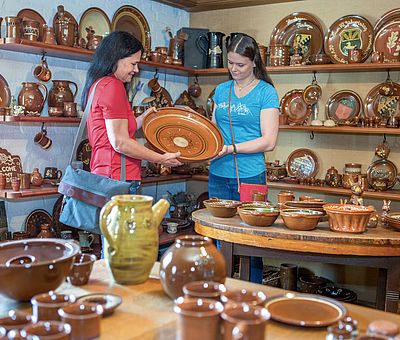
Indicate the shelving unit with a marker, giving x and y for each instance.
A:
(39, 119)
(342, 129)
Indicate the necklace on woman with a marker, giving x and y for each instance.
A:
(241, 87)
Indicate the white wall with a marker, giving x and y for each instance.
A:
(17, 68)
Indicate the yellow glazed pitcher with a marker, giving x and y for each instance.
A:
(129, 224)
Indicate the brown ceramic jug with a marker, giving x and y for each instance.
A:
(45, 231)
(190, 258)
(31, 98)
(36, 178)
(64, 28)
(61, 92)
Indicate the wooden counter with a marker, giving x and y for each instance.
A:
(146, 312)
(377, 248)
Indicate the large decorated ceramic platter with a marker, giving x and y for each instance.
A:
(343, 107)
(387, 40)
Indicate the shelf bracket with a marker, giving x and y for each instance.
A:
(384, 137)
(312, 135)
(43, 128)
(43, 55)
(314, 79)
(156, 74)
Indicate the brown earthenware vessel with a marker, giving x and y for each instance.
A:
(243, 296)
(301, 219)
(36, 178)
(31, 98)
(187, 253)
(61, 92)
(204, 289)
(48, 330)
(15, 320)
(81, 269)
(222, 208)
(45, 306)
(258, 216)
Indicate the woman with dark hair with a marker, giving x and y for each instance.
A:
(246, 110)
(111, 123)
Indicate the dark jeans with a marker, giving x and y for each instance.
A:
(226, 188)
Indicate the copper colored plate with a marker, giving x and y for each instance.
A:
(387, 40)
(294, 107)
(391, 15)
(376, 105)
(302, 163)
(305, 310)
(312, 93)
(5, 93)
(343, 107)
(382, 169)
(348, 32)
(177, 129)
(282, 25)
(130, 19)
(28, 13)
(96, 18)
(305, 34)
(35, 219)
(83, 153)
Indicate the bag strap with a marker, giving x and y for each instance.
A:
(81, 129)
(233, 138)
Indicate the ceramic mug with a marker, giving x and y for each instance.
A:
(42, 140)
(25, 180)
(42, 71)
(15, 184)
(52, 173)
(354, 56)
(85, 239)
(69, 109)
(46, 305)
(172, 227)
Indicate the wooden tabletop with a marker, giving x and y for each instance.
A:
(146, 312)
(378, 241)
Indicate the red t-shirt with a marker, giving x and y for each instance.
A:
(110, 102)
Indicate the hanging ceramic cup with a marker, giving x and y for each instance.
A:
(42, 71)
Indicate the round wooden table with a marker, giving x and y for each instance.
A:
(377, 247)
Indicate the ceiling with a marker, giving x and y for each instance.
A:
(210, 5)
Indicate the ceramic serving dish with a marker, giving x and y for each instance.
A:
(204, 289)
(348, 218)
(258, 216)
(222, 208)
(109, 302)
(311, 283)
(301, 219)
(32, 266)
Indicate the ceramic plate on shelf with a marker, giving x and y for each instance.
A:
(302, 163)
(68, 16)
(382, 174)
(376, 105)
(392, 15)
(108, 301)
(387, 40)
(96, 18)
(343, 107)
(346, 33)
(305, 310)
(83, 153)
(5, 93)
(176, 129)
(295, 108)
(35, 219)
(130, 19)
(28, 13)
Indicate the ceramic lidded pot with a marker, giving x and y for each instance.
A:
(31, 98)
(190, 258)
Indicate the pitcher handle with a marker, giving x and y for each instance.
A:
(76, 88)
(105, 211)
(46, 92)
(200, 39)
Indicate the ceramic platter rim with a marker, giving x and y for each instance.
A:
(333, 304)
(371, 98)
(286, 99)
(337, 56)
(385, 18)
(7, 92)
(378, 162)
(158, 127)
(140, 20)
(34, 16)
(304, 151)
(86, 16)
(379, 35)
(333, 98)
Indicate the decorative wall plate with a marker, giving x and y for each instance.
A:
(130, 19)
(84, 153)
(392, 15)
(376, 105)
(295, 108)
(177, 129)
(382, 174)
(349, 32)
(302, 163)
(96, 18)
(387, 40)
(28, 13)
(35, 219)
(5, 93)
(343, 107)
(312, 93)
(305, 310)
(68, 16)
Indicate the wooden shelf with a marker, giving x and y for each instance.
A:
(39, 119)
(168, 178)
(44, 190)
(342, 129)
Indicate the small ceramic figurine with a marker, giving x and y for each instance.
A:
(385, 211)
(356, 192)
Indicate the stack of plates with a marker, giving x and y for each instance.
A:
(393, 220)
(311, 205)
(337, 293)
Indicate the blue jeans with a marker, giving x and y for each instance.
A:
(226, 188)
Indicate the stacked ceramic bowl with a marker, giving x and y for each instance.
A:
(222, 208)
(301, 219)
(393, 220)
(258, 214)
(309, 205)
(348, 218)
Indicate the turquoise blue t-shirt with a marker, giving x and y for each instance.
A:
(245, 114)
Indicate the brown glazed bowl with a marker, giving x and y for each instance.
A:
(81, 269)
(222, 208)
(204, 289)
(45, 306)
(32, 266)
(258, 216)
(48, 330)
(301, 219)
(348, 218)
(236, 296)
(15, 320)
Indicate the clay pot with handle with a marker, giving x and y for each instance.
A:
(61, 92)
(31, 98)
